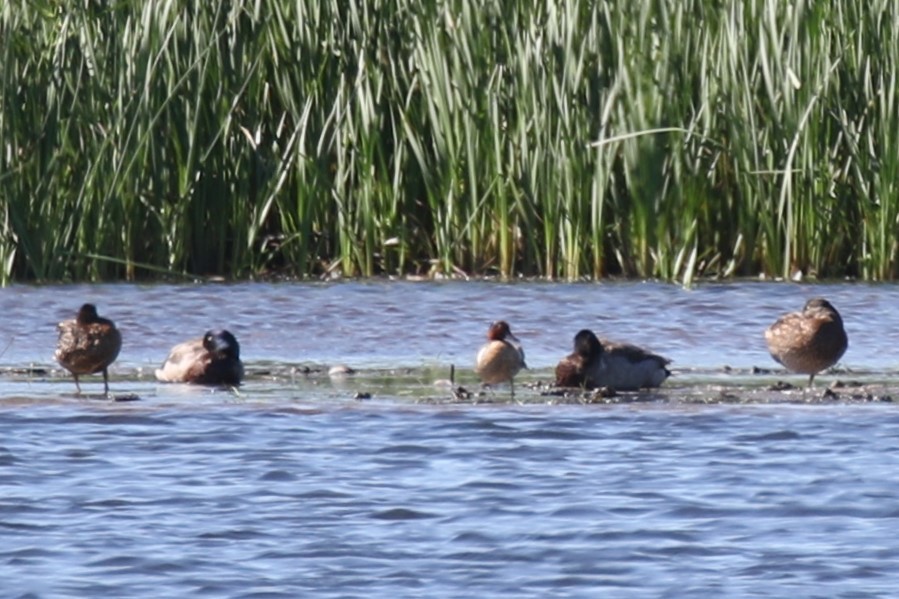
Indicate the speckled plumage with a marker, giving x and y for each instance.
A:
(809, 341)
(88, 344)
(501, 358)
(212, 360)
(603, 363)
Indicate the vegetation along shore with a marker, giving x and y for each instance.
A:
(570, 139)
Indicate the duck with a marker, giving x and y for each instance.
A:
(603, 363)
(501, 358)
(809, 341)
(212, 360)
(88, 344)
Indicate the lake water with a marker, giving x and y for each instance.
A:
(713, 486)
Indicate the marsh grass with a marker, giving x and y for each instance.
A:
(577, 139)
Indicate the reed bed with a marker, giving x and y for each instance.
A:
(568, 140)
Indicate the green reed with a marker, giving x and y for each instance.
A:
(582, 139)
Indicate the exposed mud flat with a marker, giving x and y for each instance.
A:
(279, 382)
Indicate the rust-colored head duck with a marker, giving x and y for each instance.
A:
(88, 344)
(603, 363)
(501, 358)
(212, 360)
(809, 341)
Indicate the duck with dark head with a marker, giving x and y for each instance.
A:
(603, 363)
(212, 360)
(88, 344)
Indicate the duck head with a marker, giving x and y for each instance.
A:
(221, 342)
(500, 331)
(586, 344)
(87, 314)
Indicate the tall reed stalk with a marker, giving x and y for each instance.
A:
(569, 140)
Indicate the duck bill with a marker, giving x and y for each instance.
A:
(222, 345)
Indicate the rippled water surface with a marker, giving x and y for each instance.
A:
(713, 486)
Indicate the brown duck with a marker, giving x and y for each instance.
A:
(88, 344)
(603, 363)
(810, 341)
(501, 358)
(212, 360)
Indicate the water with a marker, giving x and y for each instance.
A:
(293, 488)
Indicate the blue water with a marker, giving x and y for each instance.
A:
(363, 501)
(388, 324)
(294, 489)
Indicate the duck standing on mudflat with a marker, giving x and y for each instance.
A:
(501, 358)
(810, 341)
(88, 344)
(212, 360)
(619, 366)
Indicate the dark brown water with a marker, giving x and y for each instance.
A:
(713, 486)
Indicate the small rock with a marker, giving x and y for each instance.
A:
(781, 386)
(728, 397)
(129, 397)
(340, 370)
(460, 393)
(838, 384)
(830, 394)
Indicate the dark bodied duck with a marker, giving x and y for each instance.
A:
(809, 341)
(602, 363)
(501, 358)
(88, 344)
(212, 360)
